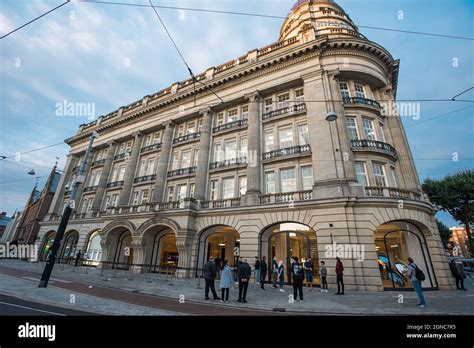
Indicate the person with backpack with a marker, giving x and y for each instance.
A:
(263, 272)
(274, 271)
(323, 272)
(209, 276)
(244, 272)
(457, 275)
(339, 276)
(308, 269)
(281, 275)
(226, 281)
(257, 270)
(298, 277)
(416, 277)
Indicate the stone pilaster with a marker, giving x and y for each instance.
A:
(80, 188)
(104, 177)
(139, 247)
(184, 243)
(163, 162)
(254, 155)
(204, 150)
(130, 170)
(59, 194)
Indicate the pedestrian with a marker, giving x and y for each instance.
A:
(308, 268)
(217, 261)
(244, 273)
(457, 275)
(323, 272)
(281, 275)
(209, 276)
(416, 277)
(275, 271)
(339, 277)
(78, 257)
(263, 272)
(298, 277)
(257, 270)
(226, 281)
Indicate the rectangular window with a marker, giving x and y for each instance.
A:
(186, 159)
(307, 177)
(144, 197)
(142, 170)
(230, 150)
(149, 140)
(213, 190)
(114, 200)
(228, 188)
(182, 191)
(192, 189)
(245, 112)
(135, 198)
(394, 177)
(268, 104)
(89, 205)
(150, 166)
(199, 125)
(97, 178)
(121, 173)
(352, 126)
(382, 133)
(170, 193)
(344, 88)
(285, 136)
(369, 129)
(84, 205)
(269, 140)
(157, 137)
(288, 180)
(242, 185)
(232, 115)
(379, 175)
(191, 127)
(361, 173)
(107, 202)
(270, 182)
(195, 157)
(299, 96)
(303, 135)
(218, 152)
(283, 100)
(175, 160)
(220, 119)
(181, 130)
(359, 91)
(243, 147)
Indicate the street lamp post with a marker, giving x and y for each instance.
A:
(48, 268)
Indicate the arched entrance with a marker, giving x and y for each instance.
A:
(69, 244)
(286, 240)
(120, 255)
(93, 250)
(161, 253)
(47, 244)
(396, 241)
(219, 241)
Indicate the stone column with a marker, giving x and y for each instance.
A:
(184, 242)
(105, 243)
(162, 167)
(130, 170)
(139, 247)
(104, 177)
(204, 150)
(329, 179)
(59, 194)
(254, 155)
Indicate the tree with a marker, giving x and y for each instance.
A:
(444, 232)
(454, 194)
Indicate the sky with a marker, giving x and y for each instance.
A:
(111, 56)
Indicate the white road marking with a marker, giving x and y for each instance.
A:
(32, 309)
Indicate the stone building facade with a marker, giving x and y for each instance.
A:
(303, 157)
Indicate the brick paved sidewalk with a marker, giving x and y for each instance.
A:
(353, 303)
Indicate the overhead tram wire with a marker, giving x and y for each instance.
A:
(13, 181)
(30, 151)
(270, 17)
(182, 58)
(467, 90)
(35, 19)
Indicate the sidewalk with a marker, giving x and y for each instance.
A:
(165, 287)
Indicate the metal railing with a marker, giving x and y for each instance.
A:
(144, 178)
(90, 188)
(98, 162)
(115, 184)
(286, 197)
(182, 171)
(364, 143)
(190, 136)
(228, 162)
(282, 111)
(234, 124)
(150, 147)
(299, 149)
(361, 100)
(121, 155)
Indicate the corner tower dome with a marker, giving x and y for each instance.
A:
(313, 18)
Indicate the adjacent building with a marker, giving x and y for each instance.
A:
(304, 156)
(4, 220)
(459, 242)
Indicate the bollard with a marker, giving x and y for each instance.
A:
(115, 272)
(87, 268)
(73, 268)
(62, 266)
(130, 271)
(199, 282)
(101, 272)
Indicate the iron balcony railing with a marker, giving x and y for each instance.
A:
(121, 155)
(150, 147)
(299, 149)
(98, 162)
(360, 100)
(144, 178)
(182, 171)
(282, 111)
(90, 188)
(190, 136)
(364, 143)
(228, 162)
(115, 184)
(234, 124)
